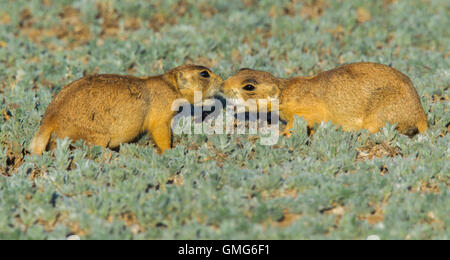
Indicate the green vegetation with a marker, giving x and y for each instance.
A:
(333, 185)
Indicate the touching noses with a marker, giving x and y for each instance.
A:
(216, 86)
(225, 88)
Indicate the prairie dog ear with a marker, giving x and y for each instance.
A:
(178, 79)
(182, 80)
(271, 90)
(275, 91)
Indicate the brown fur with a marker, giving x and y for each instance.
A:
(108, 110)
(354, 96)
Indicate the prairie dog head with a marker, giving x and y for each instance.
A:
(252, 86)
(189, 79)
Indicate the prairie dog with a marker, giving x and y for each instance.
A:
(107, 110)
(354, 96)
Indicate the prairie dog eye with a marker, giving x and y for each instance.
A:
(205, 74)
(249, 87)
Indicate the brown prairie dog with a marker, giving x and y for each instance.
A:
(107, 110)
(355, 96)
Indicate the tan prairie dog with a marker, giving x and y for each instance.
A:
(107, 110)
(355, 96)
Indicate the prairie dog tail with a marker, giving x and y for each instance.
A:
(40, 140)
(422, 125)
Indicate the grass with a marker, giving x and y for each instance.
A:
(333, 185)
